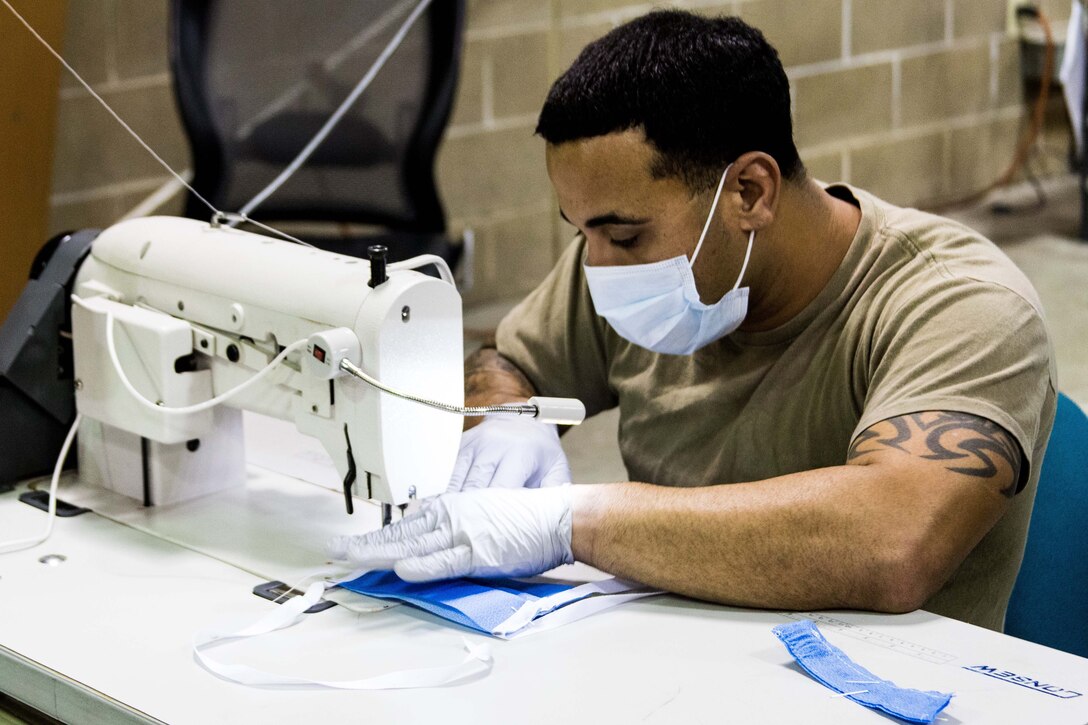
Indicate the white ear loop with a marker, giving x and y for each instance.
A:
(747, 256)
(706, 226)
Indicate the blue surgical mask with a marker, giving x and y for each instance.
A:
(657, 306)
(501, 607)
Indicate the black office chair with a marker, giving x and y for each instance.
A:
(256, 79)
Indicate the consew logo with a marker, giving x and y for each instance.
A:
(1029, 682)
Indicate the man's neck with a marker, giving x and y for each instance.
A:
(798, 253)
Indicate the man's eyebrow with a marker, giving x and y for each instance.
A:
(610, 218)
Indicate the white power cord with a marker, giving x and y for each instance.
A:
(20, 544)
(111, 348)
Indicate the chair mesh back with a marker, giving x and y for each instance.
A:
(273, 71)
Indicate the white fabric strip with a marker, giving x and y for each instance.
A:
(477, 661)
(576, 603)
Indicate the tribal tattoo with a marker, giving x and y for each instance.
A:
(489, 374)
(965, 443)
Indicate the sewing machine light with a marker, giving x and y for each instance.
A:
(325, 350)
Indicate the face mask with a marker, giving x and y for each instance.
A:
(657, 306)
(504, 608)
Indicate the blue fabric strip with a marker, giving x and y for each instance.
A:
(480, 604)
(829, 665)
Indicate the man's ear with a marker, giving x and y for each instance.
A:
(755, 184)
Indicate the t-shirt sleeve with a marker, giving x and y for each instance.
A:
(557, 339)
(971, 347)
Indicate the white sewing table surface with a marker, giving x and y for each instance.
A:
(105, 636)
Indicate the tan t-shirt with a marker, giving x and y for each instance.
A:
(922, 314)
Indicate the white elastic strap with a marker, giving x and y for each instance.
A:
(710, 215)
(747, 256)
(477, 661)
(20, 544)
(572, 605)
(111, 348)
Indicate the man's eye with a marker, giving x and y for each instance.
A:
(626, 242)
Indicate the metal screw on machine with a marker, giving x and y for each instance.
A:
(405, 313)
(377, 253)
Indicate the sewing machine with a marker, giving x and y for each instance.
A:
(199, 308)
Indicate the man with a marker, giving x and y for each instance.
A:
(831, 402)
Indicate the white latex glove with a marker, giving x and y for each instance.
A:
(485, 533)
(510, 453)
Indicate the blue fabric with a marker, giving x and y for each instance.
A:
(830, 666)
(480, 604)
(1049, 602)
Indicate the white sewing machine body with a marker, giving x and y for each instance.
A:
(199, 309)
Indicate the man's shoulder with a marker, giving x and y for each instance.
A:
(937, 255)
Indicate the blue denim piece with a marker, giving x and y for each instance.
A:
(830, 666)
(479, 604)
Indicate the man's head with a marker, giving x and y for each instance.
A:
(702, 90)
(641, 127)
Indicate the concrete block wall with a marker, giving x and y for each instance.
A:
(99, 171)
(918, 101)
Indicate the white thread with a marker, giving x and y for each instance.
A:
(144, 144)
(105, 105)
(361, 86)
(848, 694)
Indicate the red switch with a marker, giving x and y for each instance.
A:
(319, 354)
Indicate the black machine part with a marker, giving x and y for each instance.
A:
(36, 393)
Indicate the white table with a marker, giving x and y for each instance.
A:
(104, 636)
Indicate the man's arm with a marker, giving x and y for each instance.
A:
(883, 532)
(491, 379)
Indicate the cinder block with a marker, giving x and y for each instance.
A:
(486, 172)
(826, 167)
(1056, 10)
(903, 172)
(945, 85)
(140, 37)
(571, 8)
(573, 39)
(469, 104)
(512, 254)
(977, 17)
(87, 37)
(519, 72)
(841, 104)
(1010, 86)
(97, 213)
(887, 24)
(488, 14)
(807, 34)
(979, 154)
(92, 150)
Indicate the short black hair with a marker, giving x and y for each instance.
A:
(704, 91)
